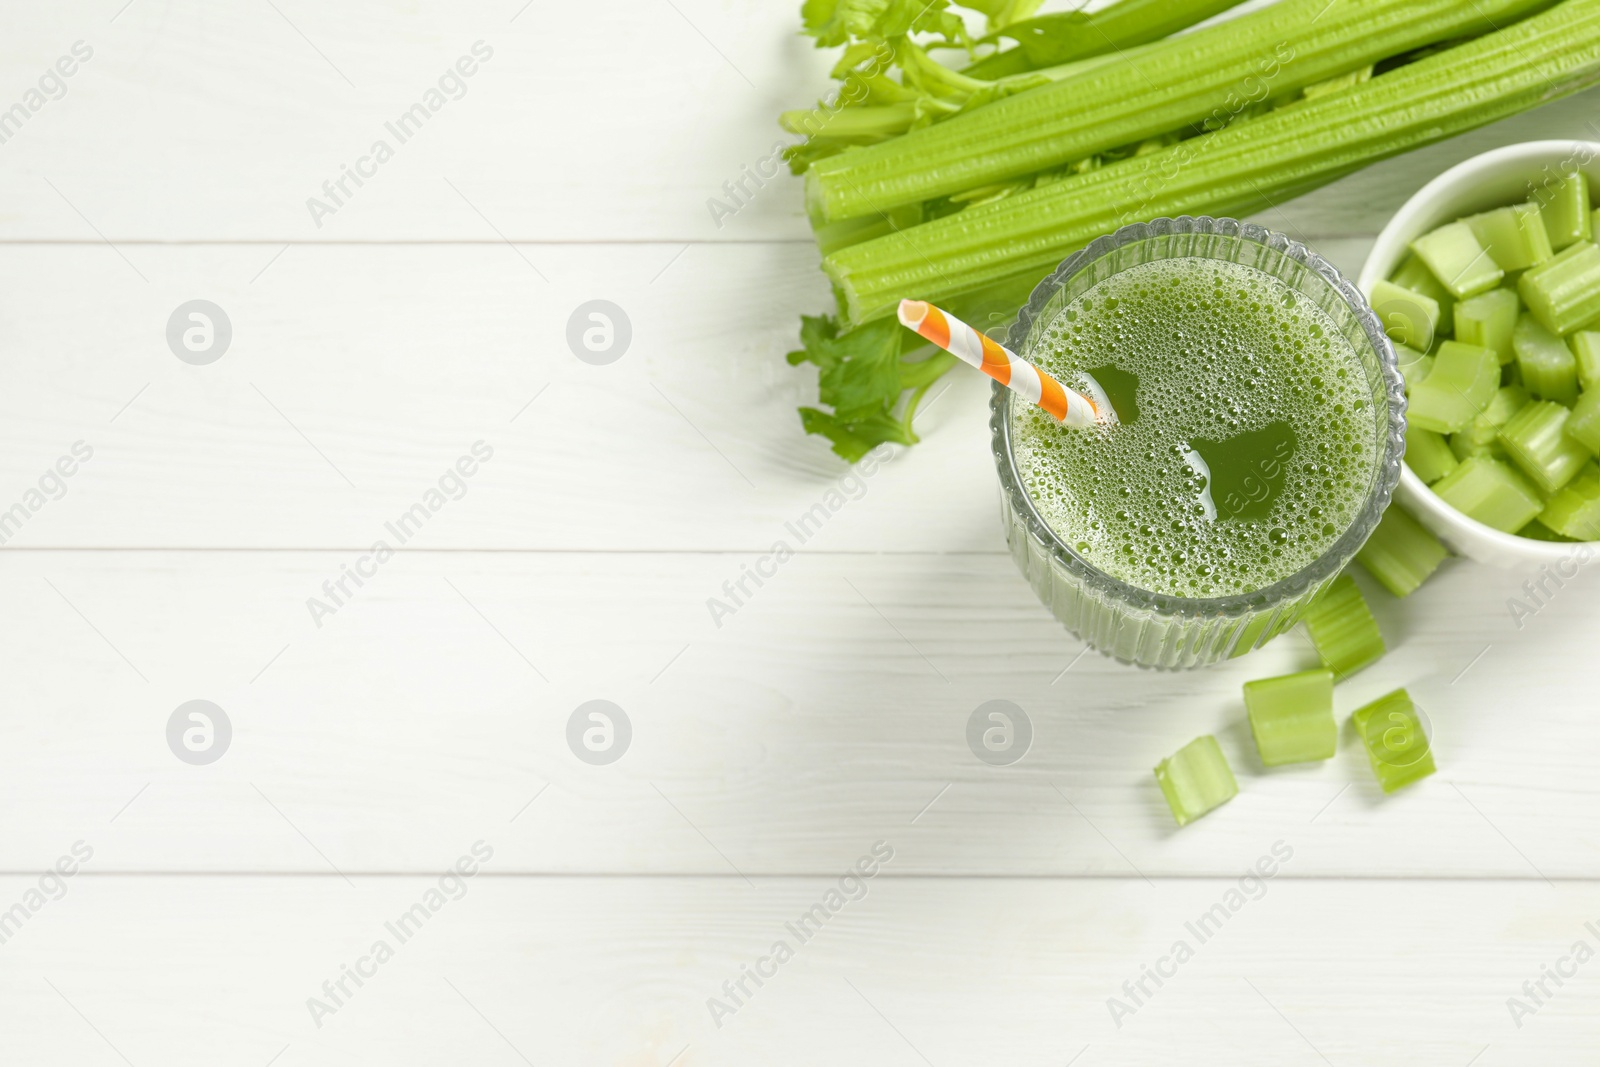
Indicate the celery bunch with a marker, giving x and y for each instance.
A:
(979, 251)
(1203, 78)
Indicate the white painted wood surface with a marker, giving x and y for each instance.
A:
(768, 753)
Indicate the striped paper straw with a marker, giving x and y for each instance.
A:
(1065, 405)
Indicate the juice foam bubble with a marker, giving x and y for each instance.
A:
(1247, 440)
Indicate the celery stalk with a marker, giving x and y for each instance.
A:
(1491, 492)
(990, 256)
(1068, 36)
(1564, 293)
(1401, 554)
(1291, 718)
(1196, 779)
(1343, 630)
(1537, 442)
(1397, 742)
(1455, 257)
(1548, 368)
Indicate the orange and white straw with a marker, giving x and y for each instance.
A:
(1066, 406)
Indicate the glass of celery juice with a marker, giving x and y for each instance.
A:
(1259, 433)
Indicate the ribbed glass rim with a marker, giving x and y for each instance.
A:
(1326, 566)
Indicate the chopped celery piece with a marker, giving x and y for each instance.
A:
(1463, 381)
(1491, 492)
(1515, 236)
(1413, 274)
(1196, 779)
(1548, 368)
(1575, 511)
(1586, 349)
(1291, 717)
(1408, 317)
(1584, 425)
(1343, 630)
(1414, 366)
(1536, 440)
(1455, 257)
(1428, 454)
(1564, 293)
(1538, 531)
(1473, 442)
(1397, 742)
(1507, 401)
(1488, 319)
(1565, 206)
(1400, 553)
(1482, 435)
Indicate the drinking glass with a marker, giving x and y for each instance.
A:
(1152, 629)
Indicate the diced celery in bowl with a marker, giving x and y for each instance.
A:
(1504, 393)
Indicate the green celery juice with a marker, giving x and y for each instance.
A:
(1245, 438)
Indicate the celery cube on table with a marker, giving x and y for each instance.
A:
(1413, 274)
(1548, 368)
(1584, 425)
(1585, 346)
(1565, 205)
(1414, 366)
(1488, 319)
(1196, 779)
(1343, 630)
(1409, 318)
(1516, 237)
(1575, 511)
(1455, 257)
(1428, 454)
(1291, 717)
(1401, 553)
(1458, 389)
(1491, 492)
(1396, 739)
(1537, 442)
(1564, 293)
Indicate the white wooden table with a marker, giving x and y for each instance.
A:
(374, 746)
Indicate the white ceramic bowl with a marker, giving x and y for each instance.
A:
(1480, 184)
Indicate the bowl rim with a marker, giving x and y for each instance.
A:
(1445, 185)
